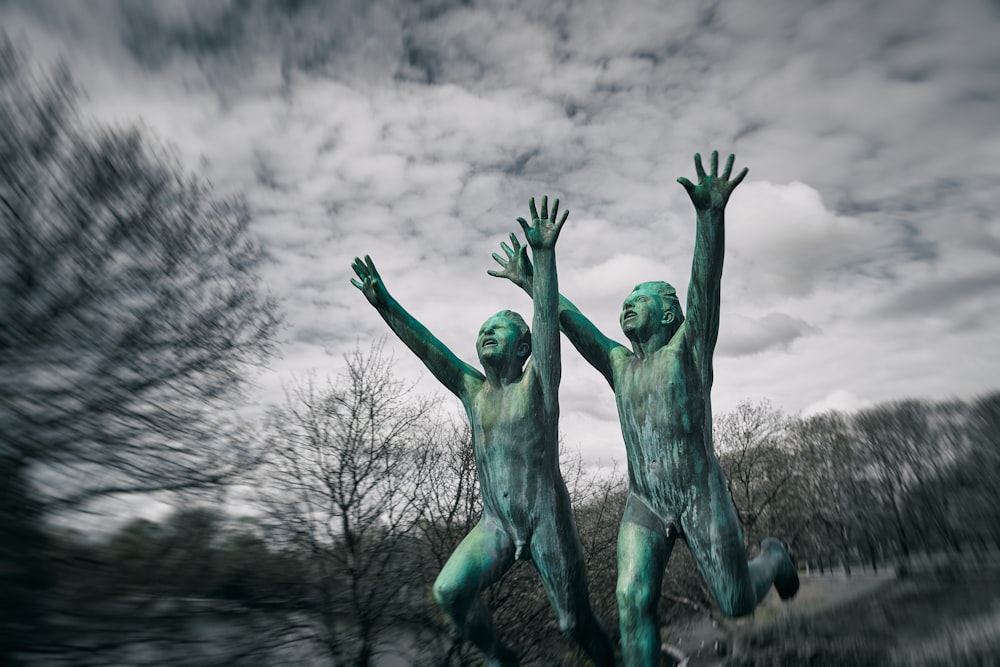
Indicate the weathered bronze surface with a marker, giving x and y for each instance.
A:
(662, 386)
(514, 412)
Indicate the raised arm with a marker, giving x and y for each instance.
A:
(541, 234)
(453, 373)
(709, 197)
(593, 345)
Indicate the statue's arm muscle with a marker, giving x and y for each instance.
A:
(588, 340)
(704, 291)
(545, 324)
(451, 371)
(709, 197)
(459, 377)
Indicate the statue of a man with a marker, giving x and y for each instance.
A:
(513, 408)
(662, 387)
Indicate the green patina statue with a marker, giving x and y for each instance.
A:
(662, 387)
(514, 412)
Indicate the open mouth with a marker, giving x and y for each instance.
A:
(489, 342)
(629, 315)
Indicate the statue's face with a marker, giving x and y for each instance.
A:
(497, 340)
(641, 311)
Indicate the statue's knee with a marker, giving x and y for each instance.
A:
(567, 623)
(633, 597)
(447, 595)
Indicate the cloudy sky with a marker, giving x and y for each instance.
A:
(863, 249)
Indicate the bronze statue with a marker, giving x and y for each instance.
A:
(662, 387)
(514, 412)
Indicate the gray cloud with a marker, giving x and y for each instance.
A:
(747, 336)
(417, 131)
(941, 297)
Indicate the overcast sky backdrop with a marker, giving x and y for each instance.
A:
(862, 249)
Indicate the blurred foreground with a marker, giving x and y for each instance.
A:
(936, 611)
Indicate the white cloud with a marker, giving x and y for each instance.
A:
(417, 136)
(615, 277)
(839, 400)
(781, 239)
(744, 335)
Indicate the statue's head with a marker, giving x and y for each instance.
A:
(650, 306)
(504, 338)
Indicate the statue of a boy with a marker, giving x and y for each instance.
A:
(514, 412)
(662, 387)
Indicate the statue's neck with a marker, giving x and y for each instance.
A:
(646, 347)
(502, 375)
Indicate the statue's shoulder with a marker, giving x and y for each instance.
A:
(620, 355)
(473, 384)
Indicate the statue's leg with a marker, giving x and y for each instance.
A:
(644, 547)
(558, 556)
(478, 561)
(773, 564)
(713, 534)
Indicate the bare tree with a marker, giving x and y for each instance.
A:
(892, 438)
(835, 507)
(450, 505)
(978, 476)
(130, 311)
(129, 300)
(340, 485)
(598, 502)
(959, 468)
(756, 462)
(449, 497)
(946, 441)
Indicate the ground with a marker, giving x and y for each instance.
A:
(944, 611)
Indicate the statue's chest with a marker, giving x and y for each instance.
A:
(500, 413)
(652, 379)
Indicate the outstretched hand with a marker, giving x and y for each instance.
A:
(516, 267)
(371, 282)
(712, 191)
(543, 230)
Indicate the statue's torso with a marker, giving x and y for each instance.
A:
(516, 454)
(662, 407)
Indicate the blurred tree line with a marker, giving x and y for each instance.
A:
(358, 509)
(130, 318)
